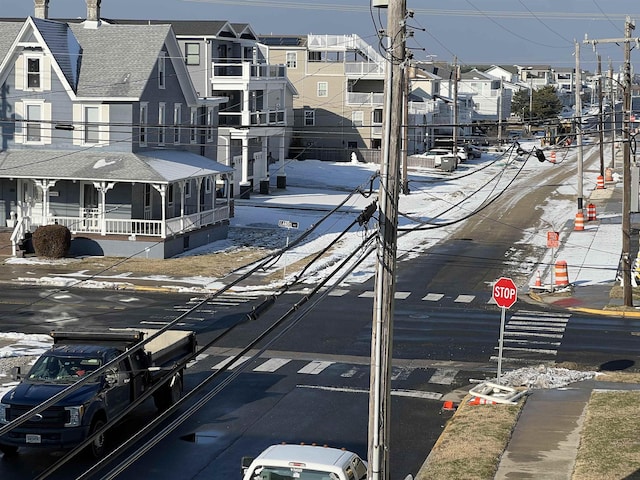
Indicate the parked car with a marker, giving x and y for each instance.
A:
(437, 154)
(463, 154)
(475, 151)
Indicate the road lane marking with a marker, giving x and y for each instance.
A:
(224, 363)
(397, 393)
(315, 367)
(443, 376)
(272, 365)
(464, 298)
(433, 297)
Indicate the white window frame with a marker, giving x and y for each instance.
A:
(162, 71)
(38, 74)
(85, 123)
(143, 122)
(189, 56)
(28, 124)
(162, 119)
(193, 131)
(309, 118)
(207, 184)
(323, 89)
(177, 121)
(357, 118)
(187, 189)
(292, 60)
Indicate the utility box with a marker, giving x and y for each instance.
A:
(448, 163)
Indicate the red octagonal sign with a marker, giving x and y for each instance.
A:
(505, 292)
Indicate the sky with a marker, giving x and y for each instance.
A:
(474, 31)
(315, 187)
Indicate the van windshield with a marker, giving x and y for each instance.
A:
(62, 369)
(291, 473)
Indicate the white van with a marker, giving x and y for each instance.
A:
(304, 462)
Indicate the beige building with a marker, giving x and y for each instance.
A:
(339, 80)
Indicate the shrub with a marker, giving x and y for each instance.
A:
(51, 241)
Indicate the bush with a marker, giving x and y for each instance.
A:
(51, 241)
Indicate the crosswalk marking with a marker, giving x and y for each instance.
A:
(464, 298)
(338, 292)
(433, 297)
(397, 296)
(224, 363)
(394, 392)
(315, 367)
(443, 376)
(272, 365)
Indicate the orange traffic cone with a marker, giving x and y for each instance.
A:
(538, 279)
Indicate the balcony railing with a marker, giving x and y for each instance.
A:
(247, 71)
(363, 98)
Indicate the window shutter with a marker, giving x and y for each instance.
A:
(47, 127)
(105, 122)
(19, 68)
(19, 135)
(46, 74)
(78, 126)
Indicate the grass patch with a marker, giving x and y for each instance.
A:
(472, 443)
(610, 445)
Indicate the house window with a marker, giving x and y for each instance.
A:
(357, 118)
(162, 72)
(177, 120)
(34, 127)
(91, 124)
(309, 118)
(207, 185)
(192, 53)
(323, 89)
(170, 195)
(193, 137)
(376, 116)
(292, 60)
(34, 72)
(144, 118)
(161, 122)
(210, 123)
(187, 189)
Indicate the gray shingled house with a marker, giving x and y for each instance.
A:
(101, 130)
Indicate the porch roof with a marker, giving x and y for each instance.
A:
(161, 166)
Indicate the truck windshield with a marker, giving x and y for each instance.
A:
(289, 473)
(53, 368)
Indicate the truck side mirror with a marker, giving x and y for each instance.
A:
(16, 373)
(246, 463)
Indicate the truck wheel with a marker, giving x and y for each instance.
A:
(97, 447)
(9, 450)
(168, 394)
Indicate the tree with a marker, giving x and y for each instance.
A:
(544, 103)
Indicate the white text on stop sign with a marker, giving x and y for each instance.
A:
(504, 292)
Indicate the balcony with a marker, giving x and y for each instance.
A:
(363, 98)
(246, 72)
(257, 118)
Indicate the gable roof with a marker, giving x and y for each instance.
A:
(161, 166)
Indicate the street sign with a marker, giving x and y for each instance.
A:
(553, 239)
(287, 224)
(505, 292)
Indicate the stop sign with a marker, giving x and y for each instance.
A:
(505, 292)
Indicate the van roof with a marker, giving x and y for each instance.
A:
(312, 456)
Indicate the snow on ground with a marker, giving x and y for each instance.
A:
(314, 188)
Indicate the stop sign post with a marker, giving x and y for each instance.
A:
(505, 294)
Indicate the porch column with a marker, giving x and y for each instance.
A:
(103, 188)
(45, 186)
(281, 179)
(183, 198)
(162, 190)
(245, 185)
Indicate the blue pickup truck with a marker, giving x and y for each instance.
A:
(102, 393)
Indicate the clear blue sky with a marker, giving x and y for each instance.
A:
(476, 31)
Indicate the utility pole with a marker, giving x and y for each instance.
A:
(613, 115)
(500, 111)
(456, 79)
(600, 116)
(405, 127)
(383, 307)
(629, 26)
(578, 121)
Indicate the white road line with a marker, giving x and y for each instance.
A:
(315, 367)
(366, 294)
(542, 314)
(533, 328)
(398, 393)
(443, 376)
(349, 373)
(533, 350)
(272, 365)
(464, 298)
(401, 373)
(402, 295)
(541, 320)
(226, 361)
(433, 297)
(198, 358)
(540, 324)
(535, 334)
(525, 341)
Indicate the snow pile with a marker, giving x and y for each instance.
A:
(543, 376)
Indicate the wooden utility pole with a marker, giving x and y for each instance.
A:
(578, 121)
(629, 26)
(383, 307)
(456, 79)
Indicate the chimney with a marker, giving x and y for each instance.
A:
(93, 14)
(41, 9)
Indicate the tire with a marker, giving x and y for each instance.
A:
(97, 448)
(168, 394)
(9, 450)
